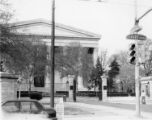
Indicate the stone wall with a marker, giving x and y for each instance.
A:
(8, 86)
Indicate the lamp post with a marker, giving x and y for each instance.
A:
(138, 111)
(135, 30)
(52, 55)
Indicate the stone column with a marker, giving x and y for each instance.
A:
(47, 69)
(95, 55)
(150, 87)
(104, 88)
(70, 79)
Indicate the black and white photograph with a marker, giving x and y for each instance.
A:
(76, 59)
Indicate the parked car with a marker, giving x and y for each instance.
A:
(24, 107)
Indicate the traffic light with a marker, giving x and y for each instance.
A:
(132, 54)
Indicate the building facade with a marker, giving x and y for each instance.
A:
(40, 31)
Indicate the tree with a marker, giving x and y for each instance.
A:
(74, 60)
(146, 57)
(102, 63)
(112, 73)
(87, 65)
(37, 62)
(95, 77)
(5, 16)
(5, 12)
(100, 72)
(148, 65)
(5, 41)
(127, 73)
(21, 56)
(18, 54)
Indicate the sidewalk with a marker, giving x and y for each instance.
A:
(98, 112)
(128, 100)
(90, 109)
(117, 102)
(121, 100)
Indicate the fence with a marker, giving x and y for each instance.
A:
(63, 89)
(46, 88)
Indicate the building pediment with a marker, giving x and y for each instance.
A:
(64, 35)
(42, 27)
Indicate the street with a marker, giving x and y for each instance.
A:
(96, 112)
(124, 105)
(90, 108)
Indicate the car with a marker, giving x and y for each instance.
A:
(24, 107)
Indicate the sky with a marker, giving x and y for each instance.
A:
(112, 19)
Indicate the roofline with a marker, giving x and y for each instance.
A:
(58, 37)
(35, 21)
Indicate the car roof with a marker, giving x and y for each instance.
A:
(22, 100)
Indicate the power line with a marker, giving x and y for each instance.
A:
(112, 2)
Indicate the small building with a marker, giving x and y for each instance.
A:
(146, 86)
(8, 86)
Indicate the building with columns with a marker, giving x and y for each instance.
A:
(40, 31)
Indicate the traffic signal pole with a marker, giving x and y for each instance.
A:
(135, 36)
(137, 81)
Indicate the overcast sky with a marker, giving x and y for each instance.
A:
(112, 19)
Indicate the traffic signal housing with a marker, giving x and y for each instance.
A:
(132, 53)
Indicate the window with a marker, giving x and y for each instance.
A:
(29, 107)
(11, 107)
(58, 49)
(39, 81)
(90, 50)
(22, 107)
(1, 66)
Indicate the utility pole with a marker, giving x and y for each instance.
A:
(137, 37)
(52, 55)
(137, 81)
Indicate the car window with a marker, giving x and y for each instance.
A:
(11, 107)
(29, 107)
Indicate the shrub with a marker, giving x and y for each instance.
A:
(36, 95)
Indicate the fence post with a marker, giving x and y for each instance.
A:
(70, 79)
(104, 88)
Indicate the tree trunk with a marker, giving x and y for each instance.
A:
(74, 87)
(30, 84)
(74, 90)
(100, 90)
(19, 92)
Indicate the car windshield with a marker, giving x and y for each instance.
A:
(21, 107)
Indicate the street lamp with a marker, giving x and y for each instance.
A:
(135, 31)
(136, 27)
(138, 112)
